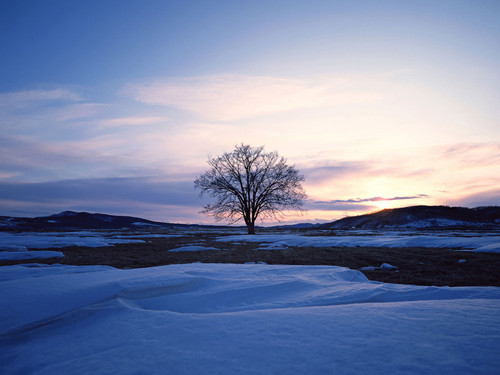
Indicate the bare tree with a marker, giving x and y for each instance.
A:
(247, 183)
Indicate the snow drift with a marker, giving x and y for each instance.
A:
(244, 319)
(478, 242)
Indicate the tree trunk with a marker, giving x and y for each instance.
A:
(251, 228)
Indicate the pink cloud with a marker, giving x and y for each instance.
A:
(236, 97)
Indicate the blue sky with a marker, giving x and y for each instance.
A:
(113, 106)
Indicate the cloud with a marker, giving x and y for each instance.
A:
(108, 195)
(77, 111)
(372, 199)
(143, 189)
(490, 197)
(29, 97)
(472, 154)
(236, 97)
(372, 167)
(22, 158)
(132, 121)
(327, 206)
(335, 170)
(34, 112)
(357, 204)
(25, 159)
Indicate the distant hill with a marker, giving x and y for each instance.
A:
(71, 220)
(294, 226)
(78, 220)
(407, 217)
(422, 217)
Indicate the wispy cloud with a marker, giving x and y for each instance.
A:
(236, 97)
(77, 111)
(132, 121)
(34, 112)
(327, 206)
(473, 154)
(23, 159)
(29, 97)
(372, 199)
(485, 197)
(108, 195)
(356, 204)
(143, 189)
(335, 170)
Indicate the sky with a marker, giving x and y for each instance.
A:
(115, 107)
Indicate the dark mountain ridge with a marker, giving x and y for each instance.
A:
(71, 220)
(76, 220)
(407, 217)
(422, 217)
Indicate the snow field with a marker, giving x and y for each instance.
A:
(192, 248)
(240, 319)
(35, 240)
(478, 242)
(20, 254)
(14, 246)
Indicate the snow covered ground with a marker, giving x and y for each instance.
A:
(240, 319)
(472, 241)
(192, 248)
(43, 240)
(23, 254)
(14, 246)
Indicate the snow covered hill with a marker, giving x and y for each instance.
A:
(240, 319)
(422, 217)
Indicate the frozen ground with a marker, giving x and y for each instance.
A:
(192, 248)
(23, 254)
(43, 240)
(14, 246)
(472, 241)
(239, 319)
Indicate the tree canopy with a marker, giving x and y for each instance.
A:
(248, 183)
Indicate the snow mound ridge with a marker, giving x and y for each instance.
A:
(200, 289)
(247, 319)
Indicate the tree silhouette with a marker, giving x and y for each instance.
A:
(247, 183)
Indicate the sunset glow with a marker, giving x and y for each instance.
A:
(378, 104)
